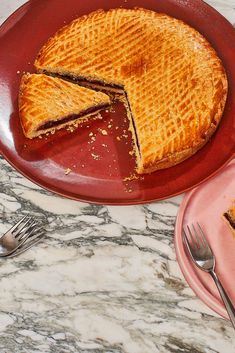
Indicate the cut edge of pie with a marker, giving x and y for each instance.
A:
(229, 217)
(49, 103)
(83, 81)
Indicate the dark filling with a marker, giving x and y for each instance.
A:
(230, 219)
(71, 117)
(104, 84)
(83, 80)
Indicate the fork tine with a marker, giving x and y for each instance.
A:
(20, 232)
(35, 232)
(33, 237)
(196, 236)
(18, 224)
(30, 228)
(18, 229)
(29, 232)
(36, 227)
(26, 247)
(203, 236)
(22, 241)
(193, 241)
(187, 242)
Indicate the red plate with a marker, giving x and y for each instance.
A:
(99, 168)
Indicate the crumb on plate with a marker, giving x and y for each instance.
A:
(67, 171)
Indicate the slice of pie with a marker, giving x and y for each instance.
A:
(174, 82)
(48, 103)
(229, 217)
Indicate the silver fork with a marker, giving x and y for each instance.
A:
(21, 237)
(203, 257)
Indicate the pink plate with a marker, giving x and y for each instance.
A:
(101, 167)
(206, 204)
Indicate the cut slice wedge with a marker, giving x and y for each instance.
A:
(48, 103)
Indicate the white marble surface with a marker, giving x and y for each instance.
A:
(105, 280)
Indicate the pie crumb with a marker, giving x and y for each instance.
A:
(133, 177)
(95, 156)
(104, 132)
(71, 128)
(67, 171)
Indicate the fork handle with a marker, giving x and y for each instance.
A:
(227, 302)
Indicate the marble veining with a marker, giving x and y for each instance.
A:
(105, 278)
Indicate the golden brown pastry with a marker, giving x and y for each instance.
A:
(229, 217)
(47, 103)
(174, 81)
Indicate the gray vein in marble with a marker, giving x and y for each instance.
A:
(101, 282)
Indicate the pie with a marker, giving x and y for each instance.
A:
(229, 217)
(48, 103)
(173, 80)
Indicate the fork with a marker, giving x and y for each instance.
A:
(22, 236)
(203, 257)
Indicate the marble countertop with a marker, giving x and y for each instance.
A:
(105, 279)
